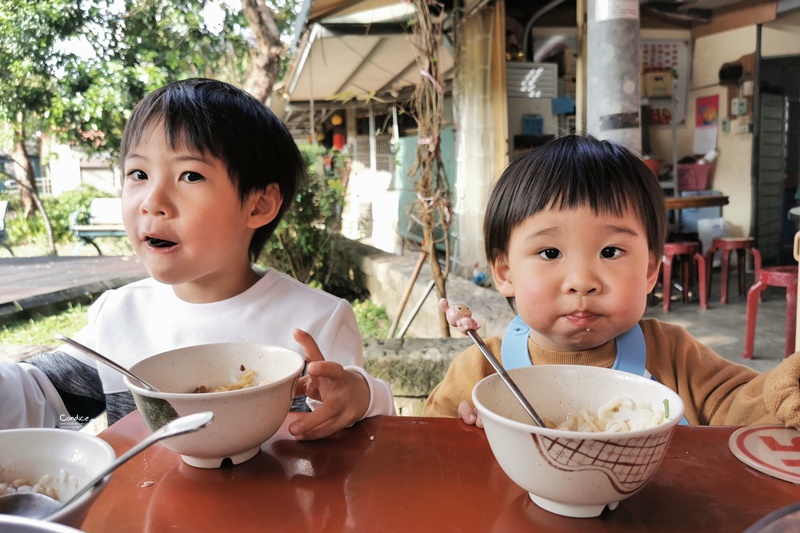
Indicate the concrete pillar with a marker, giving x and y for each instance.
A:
(613, 75)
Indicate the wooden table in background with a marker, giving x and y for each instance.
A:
(413, 474)
(687, 202)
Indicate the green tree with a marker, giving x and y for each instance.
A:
(29, 31)
(47, 89)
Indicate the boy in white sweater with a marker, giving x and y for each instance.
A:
(208, 173)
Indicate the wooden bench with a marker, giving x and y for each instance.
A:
(3, 234)
(105, 220)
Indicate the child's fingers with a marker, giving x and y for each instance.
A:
(326, 369)
(467, 413)
(308, 344)
(315, 425)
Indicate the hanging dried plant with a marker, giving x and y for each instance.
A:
(431, 209)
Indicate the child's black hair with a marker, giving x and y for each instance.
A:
(570, 172)
(220, 119)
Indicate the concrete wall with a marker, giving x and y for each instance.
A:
(414, 364)
(388, 276)
(733, 171)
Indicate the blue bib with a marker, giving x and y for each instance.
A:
(631, 350)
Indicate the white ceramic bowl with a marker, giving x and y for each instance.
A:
(243, 419)
(32, 453)
(566, 472)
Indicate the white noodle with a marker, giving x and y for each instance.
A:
(620, 414)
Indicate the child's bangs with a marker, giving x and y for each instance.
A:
(181, 123)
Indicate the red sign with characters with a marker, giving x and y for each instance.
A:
(773, 450)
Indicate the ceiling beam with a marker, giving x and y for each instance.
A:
(364, 61)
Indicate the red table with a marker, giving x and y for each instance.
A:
(413, 474)
(692, 202)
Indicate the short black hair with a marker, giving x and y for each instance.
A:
(227, 122)
(569, 172)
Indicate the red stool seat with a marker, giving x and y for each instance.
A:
(781, 276)
(726, 245)
(689, 250)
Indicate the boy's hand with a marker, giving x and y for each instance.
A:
(469, 414)
(344, 394)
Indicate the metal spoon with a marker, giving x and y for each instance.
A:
(36, 505)
(105, 360)
(460, 316)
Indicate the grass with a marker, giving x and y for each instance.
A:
(40, 329)
(109, 245)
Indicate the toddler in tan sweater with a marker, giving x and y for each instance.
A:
(574, 234)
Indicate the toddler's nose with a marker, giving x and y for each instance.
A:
(582, 280)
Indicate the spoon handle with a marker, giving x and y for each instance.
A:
(505, 377)
(179, 426)
(105, 360)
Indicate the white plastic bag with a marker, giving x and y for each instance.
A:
(709, 229)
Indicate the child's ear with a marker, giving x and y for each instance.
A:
(501, 273)
(263, 206)
(653, 269)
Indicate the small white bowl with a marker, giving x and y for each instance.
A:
(33, 453)
(243, 419)
(572, 473)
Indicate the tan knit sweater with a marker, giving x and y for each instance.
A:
(715, 391)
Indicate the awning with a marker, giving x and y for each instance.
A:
(358, 56)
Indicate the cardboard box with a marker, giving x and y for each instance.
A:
(567, 60)
(568, 86)
(657, 84)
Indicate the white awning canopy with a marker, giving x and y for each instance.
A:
(358, 56)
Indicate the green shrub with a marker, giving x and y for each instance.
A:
(307, 245)
(372, 319)
(64, 210)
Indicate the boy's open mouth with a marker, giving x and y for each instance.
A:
(159, 243)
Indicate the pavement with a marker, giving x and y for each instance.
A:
(722, 326)
(44, 284)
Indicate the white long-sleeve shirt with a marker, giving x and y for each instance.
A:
(144, 318)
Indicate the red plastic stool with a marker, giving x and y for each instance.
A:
(726, 245)
(781, 276)
(688, 249)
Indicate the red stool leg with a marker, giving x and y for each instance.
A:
(723, 291)
(753, 296)
(710, 265)
(757, 266)
(791, 318)
(686, 278)
(741, 264)
(666, 264)
(701, 279)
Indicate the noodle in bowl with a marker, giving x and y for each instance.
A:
(60, 461)
(578, 473)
